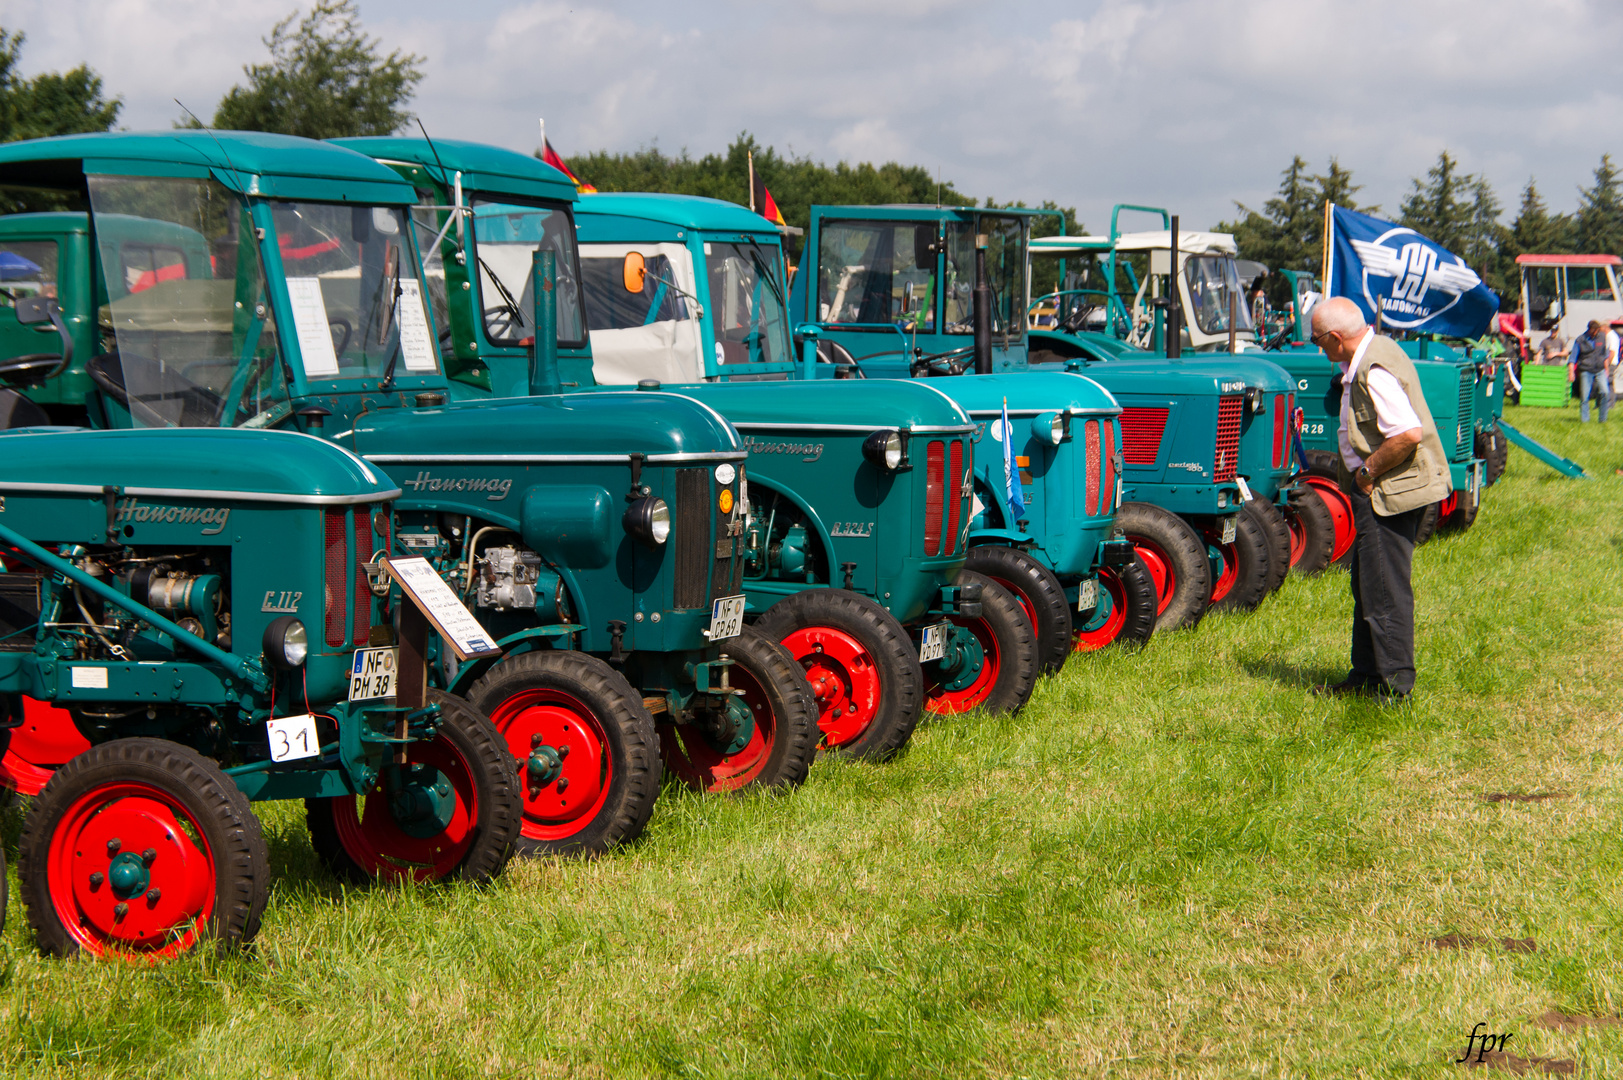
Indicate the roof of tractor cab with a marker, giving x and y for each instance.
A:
(53, 223)
(685, 211)
(881, 209)
(483, 167)
(252, 162)
(1194, 243)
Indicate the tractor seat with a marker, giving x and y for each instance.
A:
(17, 411)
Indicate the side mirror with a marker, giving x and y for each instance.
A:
(633, 271)
(907, 299)
(34, 310)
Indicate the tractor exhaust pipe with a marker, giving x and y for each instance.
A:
(981, 310)
(544, 378)
(1174, 330)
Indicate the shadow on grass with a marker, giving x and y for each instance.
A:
(1292, 675)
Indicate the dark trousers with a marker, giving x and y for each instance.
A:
(1383, 597)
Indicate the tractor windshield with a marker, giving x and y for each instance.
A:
(187, 328)
(1214, 292)
(746, 303)
(506, 235)
(877, 272)
(1005, 273)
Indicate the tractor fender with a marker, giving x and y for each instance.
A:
(1000, 538)
(512, 645)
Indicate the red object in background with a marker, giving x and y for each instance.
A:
(550, 156)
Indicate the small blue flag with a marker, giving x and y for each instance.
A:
(1011, 471)
(1417, 283)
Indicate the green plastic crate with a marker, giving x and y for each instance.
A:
(1546, 385)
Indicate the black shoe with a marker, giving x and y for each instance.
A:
(1352, 684)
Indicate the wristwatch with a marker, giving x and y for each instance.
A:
(1363, 473)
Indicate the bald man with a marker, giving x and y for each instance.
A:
(1392, 468)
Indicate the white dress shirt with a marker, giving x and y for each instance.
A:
(1393, 413)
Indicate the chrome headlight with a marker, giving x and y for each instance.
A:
(1048, 427)
(287, 645)
(649, 520)
(885, 449)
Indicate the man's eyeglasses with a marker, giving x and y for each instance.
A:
(1316, 339)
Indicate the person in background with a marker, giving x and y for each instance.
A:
(1259, 304)
(1553, 349)
(1614, 374)
(1587, 363)
(1392, 467)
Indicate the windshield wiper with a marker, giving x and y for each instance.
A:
(507, 298)
(760, 268)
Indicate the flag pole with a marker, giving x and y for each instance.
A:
(751, 154)
(1324, 248)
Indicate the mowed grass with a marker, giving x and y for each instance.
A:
(1172, 863)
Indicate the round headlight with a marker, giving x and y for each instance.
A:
(884, 449)
(1048, 427)
(287, 645)
(649, 520)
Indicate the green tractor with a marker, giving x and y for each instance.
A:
(851, 528)
(592, 533)
(211, 611)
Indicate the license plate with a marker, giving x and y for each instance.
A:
(1087, 597)
(1228, 528)
(933, 646)
(292, 737)
(1245, 489)
(372, 675)
(726, 618)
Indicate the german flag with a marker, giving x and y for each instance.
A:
(761, 200)
(550, 156)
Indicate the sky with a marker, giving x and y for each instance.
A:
(1187, 104)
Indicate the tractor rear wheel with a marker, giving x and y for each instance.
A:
(1126, 611)
(1492, 447)
(1243, 582)
(31, 751)
(1463, 515)
(864, 673)
(1175, 557)
(141, 849)
(991, 660)
(1324, 477)
(452, 811)
(768, 736)
(1278, 535)
(1040, 595)
(587, 756)
(1313, 532)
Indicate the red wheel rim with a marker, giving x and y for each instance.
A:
(691, 756)
(1095, 637)
(88, 875)
(844, 680)
(1298, 533)
(548, 717)
(380, 847)
(1020, 598)
(46, 738)
(943, 702)
(1161, 572)
(1223, 583)
(1340, 507)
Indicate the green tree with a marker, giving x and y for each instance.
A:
(50, 103)
(1460, 211)
(1536, 230)
(1288, 233)
(1600, 212)
(326, 79)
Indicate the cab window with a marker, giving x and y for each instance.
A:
(877, 272)
(27, 268)
(610, 307)
(506, 236)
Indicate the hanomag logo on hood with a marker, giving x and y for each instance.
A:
(805, 451)
(132, 510)
(425, 481)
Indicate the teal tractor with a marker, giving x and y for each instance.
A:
(850, 530)
(937, 293)
(209, 611)
(592, 533)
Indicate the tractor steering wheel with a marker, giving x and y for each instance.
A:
(955, 362)
(502, 321)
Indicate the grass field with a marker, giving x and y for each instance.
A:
(1174, 863)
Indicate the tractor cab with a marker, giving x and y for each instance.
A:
(1560, 294)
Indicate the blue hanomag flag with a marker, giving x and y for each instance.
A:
(1418, 284)
(1012, 494)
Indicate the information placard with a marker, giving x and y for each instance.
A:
(310, 326)
(425, 588)
(416, 344)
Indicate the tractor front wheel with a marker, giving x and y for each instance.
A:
(1278, 536)
(451, 811)
(1175, 557)
(991, 660)
(1493, 448)
(585, 748)
(1040, 595)
(1126, 611)
(862, 668)
(766, 736)
(1243, 582)
(141, 849)
(1313, 532)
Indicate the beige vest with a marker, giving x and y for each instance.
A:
(1418, 479)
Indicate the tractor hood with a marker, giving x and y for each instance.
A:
(858, 405)
(225, 463)
(1027, 393)
(1129, 369)
(586, 427)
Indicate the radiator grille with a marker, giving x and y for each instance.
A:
(1463, 436)
(694, 539)
(727, 572)
(953, 494)
(1141, 431)
(336, 600)
(1229, 411)
(1090, 502)
(934, 492)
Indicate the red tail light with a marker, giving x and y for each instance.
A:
(1090, 504)
(953, 494)
(1229, 411)
(934, 490)
(1279, 430)
(1108, 489)
(336, 601)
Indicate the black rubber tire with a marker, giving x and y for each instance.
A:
(616, 730)
(886, 646)
(217, 809)
(466, 733)
(1494, 449)
(1003, 624)
(786, 716)
(1040, 595)
(1464, 515)
(1427, 527)
(1185, 554)
(1311, 519)
(1138, 603)
(1278, 535)
(1250, 551)
(1323, 463)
